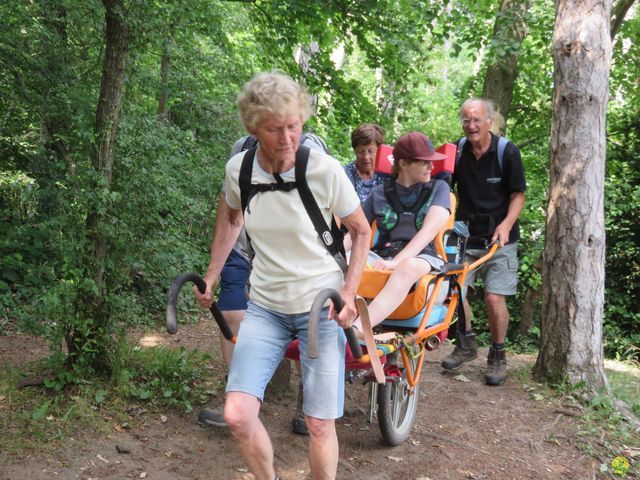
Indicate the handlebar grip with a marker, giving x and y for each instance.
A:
(313, 348)
(174, 291)
(172, 300)
(354, 345)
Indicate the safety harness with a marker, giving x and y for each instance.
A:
(400, 223)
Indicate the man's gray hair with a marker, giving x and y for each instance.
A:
(488, 107)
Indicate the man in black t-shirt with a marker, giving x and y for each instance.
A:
(490, 184)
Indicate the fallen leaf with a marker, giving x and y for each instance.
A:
(633, 452)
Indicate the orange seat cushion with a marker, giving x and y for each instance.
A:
(373, 281)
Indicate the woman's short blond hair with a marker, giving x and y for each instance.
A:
(272, 93)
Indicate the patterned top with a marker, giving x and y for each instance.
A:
(363, 187)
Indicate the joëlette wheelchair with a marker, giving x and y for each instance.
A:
(391, 367)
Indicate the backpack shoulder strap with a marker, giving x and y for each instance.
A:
(422, 198)
(461, 143)
(392, 196)
(249, 142)
(502, 144)
(244, 178)
(316, 140)
(329, 236)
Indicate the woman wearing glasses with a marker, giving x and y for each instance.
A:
(365, 140)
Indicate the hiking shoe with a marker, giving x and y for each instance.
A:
(299, 424)
(465, 350)
(212, 418)
(496, 367)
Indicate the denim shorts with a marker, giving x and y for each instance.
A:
(499, 274)
(233, 279)
(262, 341)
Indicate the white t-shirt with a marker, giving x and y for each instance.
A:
(308, 140)
(291, 265)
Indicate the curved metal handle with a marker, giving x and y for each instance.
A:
(174, 291)
(313, 348)
(492, 247)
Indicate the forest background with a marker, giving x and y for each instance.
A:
(406, 65)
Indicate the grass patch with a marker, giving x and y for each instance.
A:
(624, 378)
(143, 380)
(37, 418)
(601, 431)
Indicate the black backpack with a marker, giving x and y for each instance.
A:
(251, 142)
(331, 237)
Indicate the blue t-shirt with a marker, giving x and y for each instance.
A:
(363, 187)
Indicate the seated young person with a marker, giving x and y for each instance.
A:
(405, 239)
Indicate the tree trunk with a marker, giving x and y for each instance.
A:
(508, 32)
(280, 384)
(530, 303)
(617, 15)
(56, 125)
(573, 258)
(102, 158)
(163, 97)
(303, 57)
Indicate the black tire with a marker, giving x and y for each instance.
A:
(397, 409)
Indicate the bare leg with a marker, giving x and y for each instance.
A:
(408, 272)
(498, 316)
(467, 314)
(233, 318)
(241, 414)
(323, 448)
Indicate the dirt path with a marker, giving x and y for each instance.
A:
(464, 430)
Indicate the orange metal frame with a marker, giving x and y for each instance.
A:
(422, 333)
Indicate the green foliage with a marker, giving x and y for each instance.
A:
(624, 379)
(403, 64)
(154, 377)
(622, 200)
(161, 375)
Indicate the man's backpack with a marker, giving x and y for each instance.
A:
(502, 144)
(331, 237)
(307, 139)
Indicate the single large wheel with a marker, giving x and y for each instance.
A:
(397, 408)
